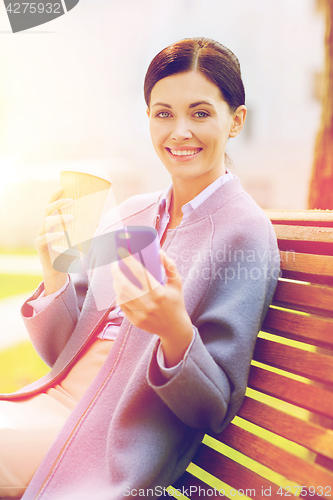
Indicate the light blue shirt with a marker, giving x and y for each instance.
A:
(111, 329)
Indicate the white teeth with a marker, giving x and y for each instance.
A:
(179, 152)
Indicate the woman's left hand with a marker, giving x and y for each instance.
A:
(159, 309)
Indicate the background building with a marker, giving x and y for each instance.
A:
(71, 92)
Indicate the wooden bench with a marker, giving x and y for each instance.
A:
(281, 443)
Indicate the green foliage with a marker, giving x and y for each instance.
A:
(19, 366)
(13, 284)
(18, 251)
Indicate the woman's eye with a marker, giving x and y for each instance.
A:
(163, 114)
(201, 114)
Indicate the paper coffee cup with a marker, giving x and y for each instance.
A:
(89, 192)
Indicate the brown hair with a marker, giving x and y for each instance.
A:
(211, 58)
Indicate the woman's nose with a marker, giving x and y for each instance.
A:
(181, 131)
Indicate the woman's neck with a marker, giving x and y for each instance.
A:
(183, 191)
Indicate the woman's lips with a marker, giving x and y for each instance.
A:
(183, 154)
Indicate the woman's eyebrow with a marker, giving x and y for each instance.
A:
(195, 104)
(162, 104)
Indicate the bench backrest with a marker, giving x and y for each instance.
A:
(282, 438)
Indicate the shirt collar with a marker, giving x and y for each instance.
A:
(197, 200)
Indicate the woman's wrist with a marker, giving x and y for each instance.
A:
(54, 282)
(174, 346)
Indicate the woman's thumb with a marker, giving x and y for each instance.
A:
(170, 269)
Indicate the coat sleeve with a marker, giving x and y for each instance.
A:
(50, 329)
(209, 389)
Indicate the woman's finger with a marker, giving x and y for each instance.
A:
(56, 194)
(124, 280)
(125, 289)
(137, 269)
(42, 241)
(62, 204)
(121, 297)
(140, 271)
(171, 271)
(57, 220)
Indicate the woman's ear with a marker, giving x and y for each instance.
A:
(148, 112)
(238, 120)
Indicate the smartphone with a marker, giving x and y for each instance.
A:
(143, 243)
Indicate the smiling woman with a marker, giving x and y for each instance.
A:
(195, 101)
(193, 127)
(140, 373)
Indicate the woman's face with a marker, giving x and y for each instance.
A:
(190, 124)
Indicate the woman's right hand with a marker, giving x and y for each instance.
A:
(50, 231)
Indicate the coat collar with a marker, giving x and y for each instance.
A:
(215, 201)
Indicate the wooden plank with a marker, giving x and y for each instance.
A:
(310, 397)
(317, 367)
(309, 278)
(281, 461)
(311, 436)
(232, 473)
(195, 489)
(308, 216)
(304, 296)
(304, 233)
(307, 263)
(305, 328)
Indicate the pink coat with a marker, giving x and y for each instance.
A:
(133, 430)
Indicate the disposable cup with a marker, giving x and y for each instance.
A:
(89, 193)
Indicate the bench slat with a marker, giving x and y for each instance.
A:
(307, 263)
(187, 480)
(304, 296)
(304, 328)
(285, 463)
(309, 397)
(306, 248)
(317, 367)
(309, 216)
(306, 434)
(304, 233)
(232, 473)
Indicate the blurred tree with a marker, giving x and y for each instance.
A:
(321, 184)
